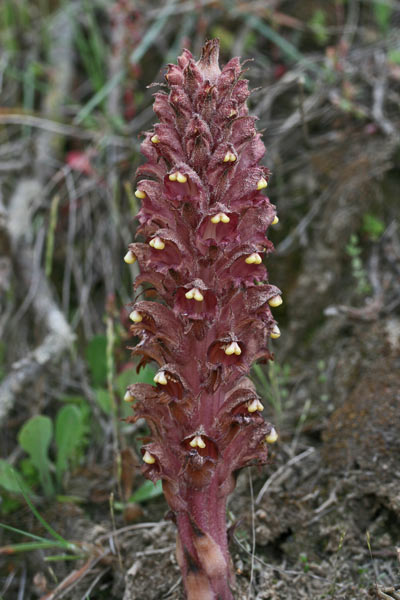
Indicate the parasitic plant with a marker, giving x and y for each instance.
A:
(203, 219)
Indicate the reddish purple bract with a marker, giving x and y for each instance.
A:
(203, 220)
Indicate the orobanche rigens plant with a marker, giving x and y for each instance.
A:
(203, 219)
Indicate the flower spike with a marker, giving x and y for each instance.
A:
(206, 313)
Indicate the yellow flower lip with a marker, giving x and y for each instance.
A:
(233, 348)
(155, 139)
(140, 194)
(272, 437)
(229, 157)
(275, 333)
(177, 176)
(194, 294)
(254, 406)
(135, 316)
(220, 218)
(276, 220)
(129, 258)
(262, 183)
(160, 378)
(181, 178)
(197, 442)
(253, 259)
(128, 396)
(275, 301)
(157, 243)
(148, 458)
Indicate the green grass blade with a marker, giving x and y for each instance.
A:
(57, 557)
(29, 546)
(98, 97)
(46, 525)
(50, 234)
(287, 48)
(15, 530)
(152, 33)
(148, 39)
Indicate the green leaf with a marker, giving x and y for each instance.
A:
(383, 13)
(35, 437)
(103, 400)
(226, 37)
(10, 479)
(318, 25)
(71, 399)
(69, 436)
(372, 226)
(147, 491)
(130, 376)
(394, 56)
(96, 356)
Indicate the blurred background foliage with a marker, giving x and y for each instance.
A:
(75, 95)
